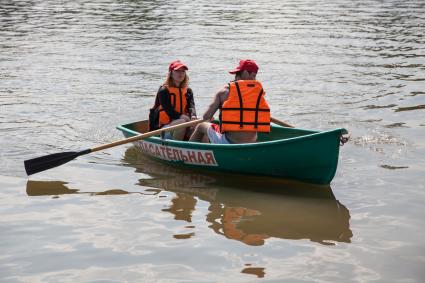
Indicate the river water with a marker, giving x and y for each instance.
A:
(70, 71)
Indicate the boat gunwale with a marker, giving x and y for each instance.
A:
(176, 143)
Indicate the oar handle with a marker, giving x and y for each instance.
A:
(147, 135)
(280, 123)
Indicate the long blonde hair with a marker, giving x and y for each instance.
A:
(170, 82)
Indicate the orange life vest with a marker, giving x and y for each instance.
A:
(178, 102)
(245, 110)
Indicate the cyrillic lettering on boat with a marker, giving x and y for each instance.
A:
(170, 153)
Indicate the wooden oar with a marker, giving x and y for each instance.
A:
(42, 163)
(280, 123)
(343, 138)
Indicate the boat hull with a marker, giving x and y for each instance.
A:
(303, 155)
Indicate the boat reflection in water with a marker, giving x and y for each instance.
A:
(249, 209)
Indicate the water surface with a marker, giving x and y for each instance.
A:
(72, 71)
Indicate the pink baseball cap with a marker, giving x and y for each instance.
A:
(177, 65)
(246, 65)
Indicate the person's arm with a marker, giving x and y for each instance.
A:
(219, 98)
(165, 101)
(191, 104)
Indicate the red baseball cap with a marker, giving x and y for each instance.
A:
(246, 65)
(177, 65)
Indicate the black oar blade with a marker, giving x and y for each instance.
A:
(42, 163)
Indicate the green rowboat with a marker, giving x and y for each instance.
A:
(290, 153)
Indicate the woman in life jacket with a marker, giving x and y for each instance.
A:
(243, 110)
(174, 103)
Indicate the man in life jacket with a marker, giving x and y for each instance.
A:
(243, 110)
(174, 103)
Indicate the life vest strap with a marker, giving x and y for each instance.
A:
(246, 109)
(240, 103)
(172, 100)
(181, 100)
(257, 107)
(245, 123)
